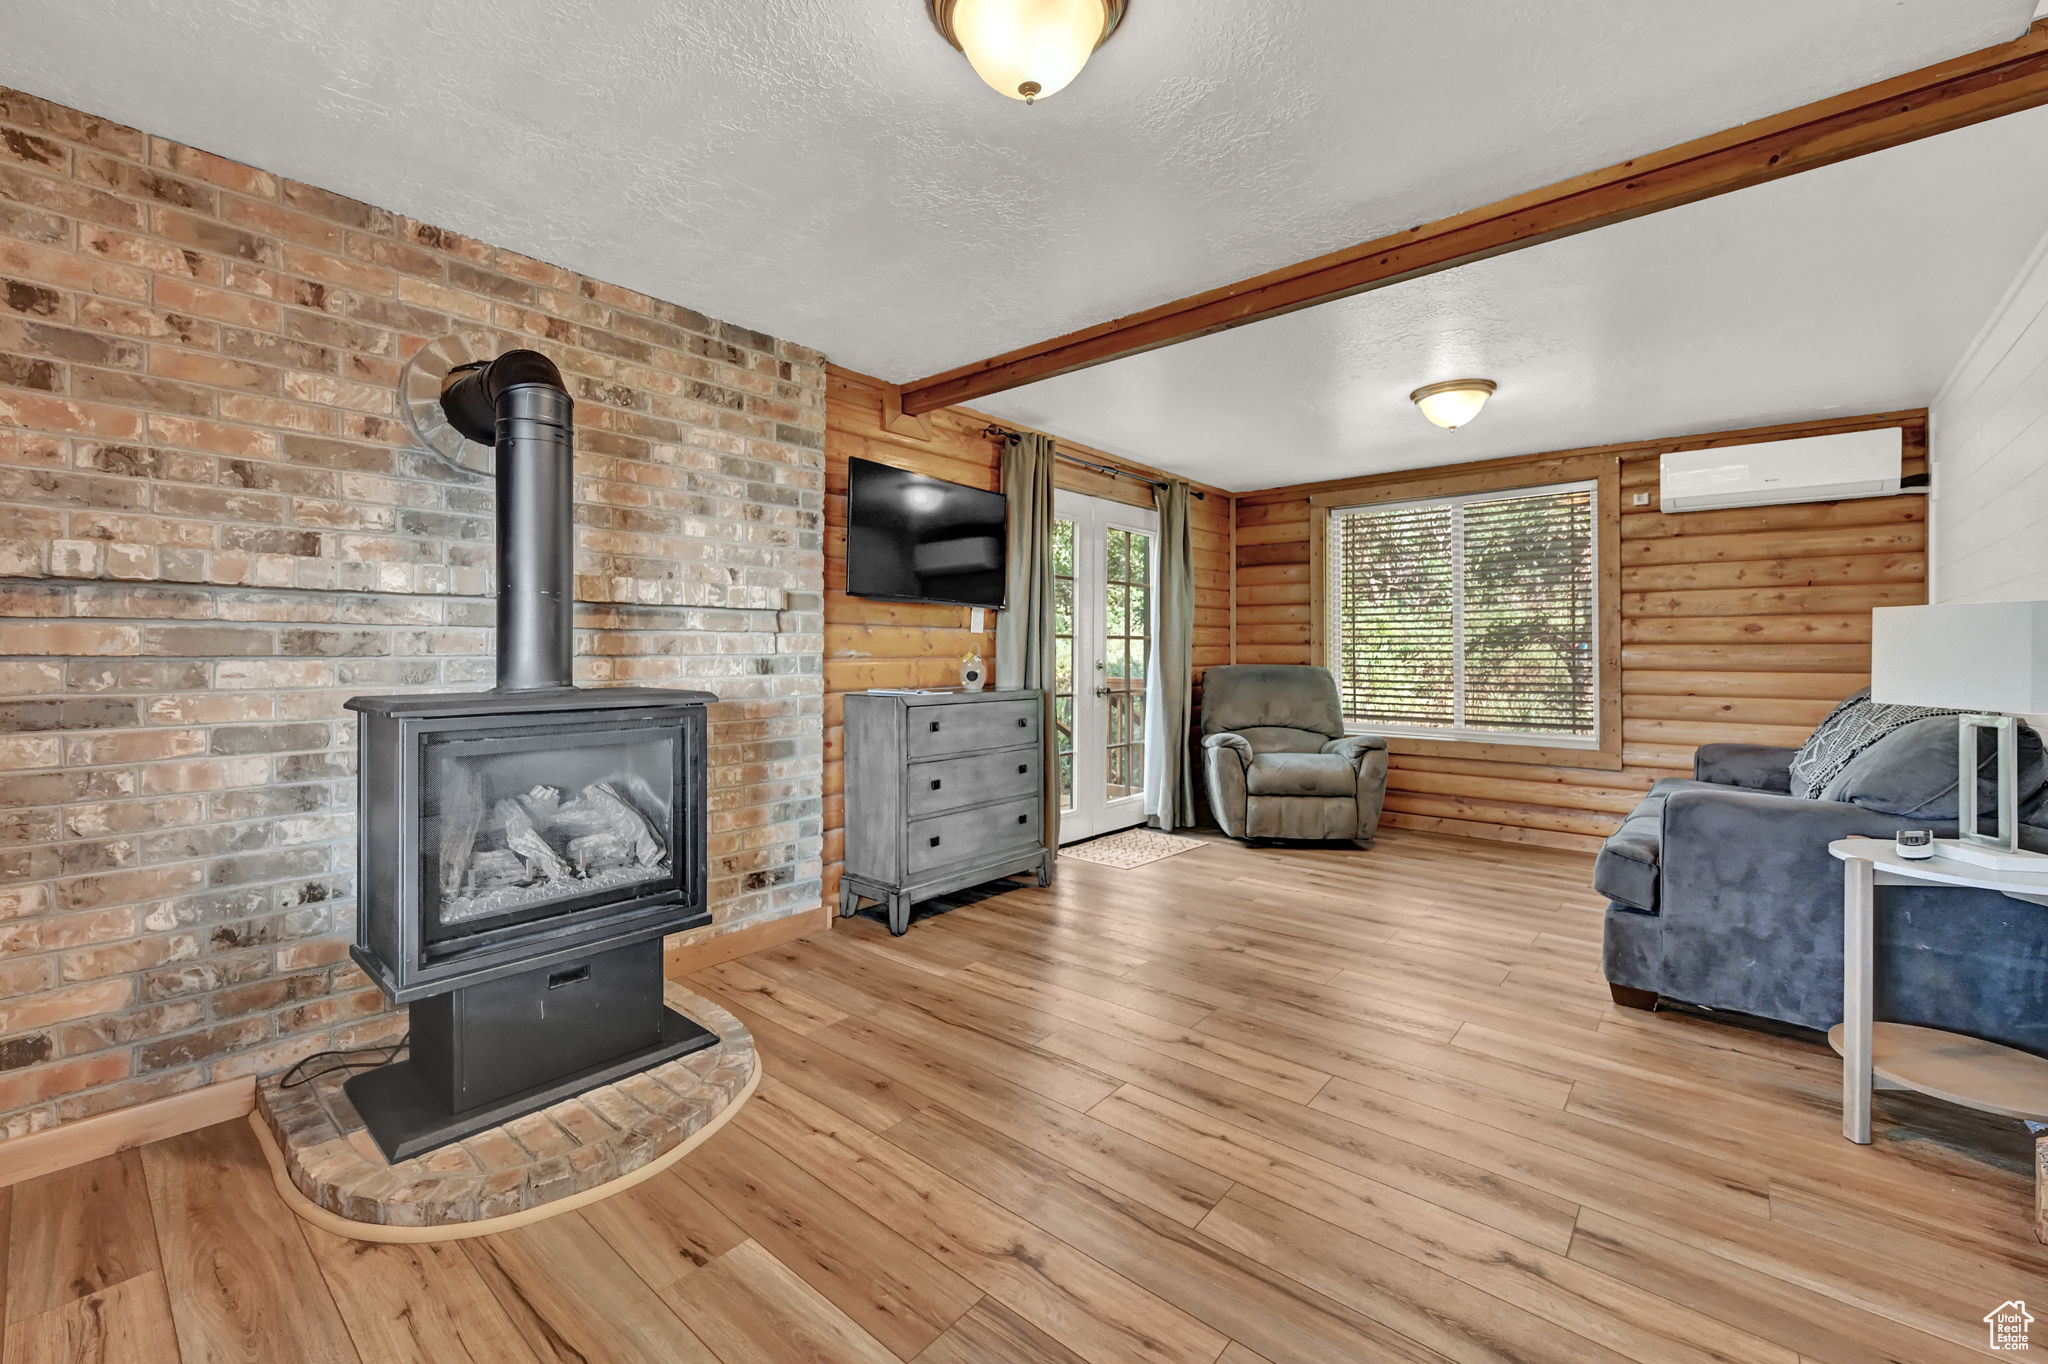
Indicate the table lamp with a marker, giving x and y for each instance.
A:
(1982, 658)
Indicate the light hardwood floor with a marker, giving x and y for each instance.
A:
(1240, 1105)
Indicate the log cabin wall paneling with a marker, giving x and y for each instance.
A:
(1740, 626)
(903, 644)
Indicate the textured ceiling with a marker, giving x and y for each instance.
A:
(1850, 289)
(832, 172)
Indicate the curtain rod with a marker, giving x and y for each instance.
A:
(1007, 434)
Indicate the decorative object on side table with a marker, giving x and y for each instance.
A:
(1915, 845)
(1987, 659)
(973, 672)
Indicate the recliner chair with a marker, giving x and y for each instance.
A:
(1277, 761)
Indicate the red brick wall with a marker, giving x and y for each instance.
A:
(214, 530)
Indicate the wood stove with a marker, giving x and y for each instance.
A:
(523, 851)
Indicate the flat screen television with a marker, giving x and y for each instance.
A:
(912, 538)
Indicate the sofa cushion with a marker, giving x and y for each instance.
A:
(1846, 732)
(1911, 771)
(1626, 870)
(1301, 774)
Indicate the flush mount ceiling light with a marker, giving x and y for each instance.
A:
(1453, 402)
(1027, 49)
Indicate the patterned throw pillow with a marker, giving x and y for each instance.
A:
(1848, 730)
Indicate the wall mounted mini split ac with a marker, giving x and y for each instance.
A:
(1808, 469)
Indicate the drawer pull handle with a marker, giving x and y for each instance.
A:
(1023, 722)
(936, 783)
(1023, 768)
(1023, 819)
(935, 840)
(935, 726)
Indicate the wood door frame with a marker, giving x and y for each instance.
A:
(1100, 513)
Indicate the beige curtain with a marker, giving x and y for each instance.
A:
(1169, 675)
(1024, 629)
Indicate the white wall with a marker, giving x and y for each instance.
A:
(1989, 455)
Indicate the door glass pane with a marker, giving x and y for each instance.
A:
(1063, 654)
(1126, 644)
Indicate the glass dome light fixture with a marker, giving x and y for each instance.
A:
(1453, 402)
(1027, 49)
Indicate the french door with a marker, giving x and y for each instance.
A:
(1103, 563)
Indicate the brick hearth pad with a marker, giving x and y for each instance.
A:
(560, 1158)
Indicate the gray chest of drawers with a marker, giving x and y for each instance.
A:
(943, 791)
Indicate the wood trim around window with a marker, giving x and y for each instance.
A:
(1601, 470)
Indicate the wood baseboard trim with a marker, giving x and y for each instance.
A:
(684, 956)
(318, 1216)
(75, 1143)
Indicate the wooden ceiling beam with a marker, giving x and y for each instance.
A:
(1981, 85)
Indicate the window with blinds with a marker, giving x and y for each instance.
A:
(1469, 616)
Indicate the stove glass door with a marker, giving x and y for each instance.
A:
(528, 824)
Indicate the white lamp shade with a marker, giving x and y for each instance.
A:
(1986, 656)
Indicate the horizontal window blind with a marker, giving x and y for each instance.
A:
(1395, 626)
(1471, 614)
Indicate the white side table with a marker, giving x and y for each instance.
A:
(1962, 1070)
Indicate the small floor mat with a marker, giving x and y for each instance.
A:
(1131, 848)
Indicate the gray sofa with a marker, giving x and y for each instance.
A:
(1276, 760)
(1721, 892)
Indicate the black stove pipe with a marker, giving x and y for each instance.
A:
(519, 404)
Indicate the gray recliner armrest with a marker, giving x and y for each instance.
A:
(1225, 759)
(1353, 747)
(1368, 754)
(1759, 767)
(1232, 743)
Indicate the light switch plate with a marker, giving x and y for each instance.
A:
(975, 616)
